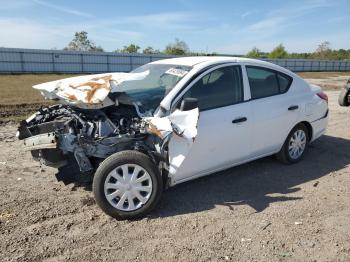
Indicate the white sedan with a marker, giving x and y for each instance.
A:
(171, 121)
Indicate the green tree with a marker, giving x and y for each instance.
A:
(150, 50)
(324, 47)
(323, 51)
(254, 53)
(97, 49)
(179, 47)
(300, 55)
(81, 42)
(341, 54)
(132, 48)
(278, 52)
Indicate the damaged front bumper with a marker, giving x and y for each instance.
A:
(42, 141)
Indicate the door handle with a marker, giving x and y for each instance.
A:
(239, 120)
(291, 108)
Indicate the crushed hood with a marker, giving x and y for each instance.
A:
(86, 90)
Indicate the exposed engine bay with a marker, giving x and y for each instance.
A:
(97, 133)
(66, 132)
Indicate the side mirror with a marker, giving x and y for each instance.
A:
(189, 103)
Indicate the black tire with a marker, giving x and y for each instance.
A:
(118, 159)
(283, 155)
(343, 98)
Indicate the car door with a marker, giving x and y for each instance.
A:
(224, 126)
(275, 110)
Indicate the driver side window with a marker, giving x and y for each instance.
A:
(219, 88)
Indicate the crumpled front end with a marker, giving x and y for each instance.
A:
(60, 134)
(95, 120)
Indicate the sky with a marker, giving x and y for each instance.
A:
(221, 26)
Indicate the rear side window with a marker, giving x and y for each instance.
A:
(266, 82)
(284, 82)
(221, 87)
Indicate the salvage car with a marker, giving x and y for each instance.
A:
(344, 96)
(171, 121)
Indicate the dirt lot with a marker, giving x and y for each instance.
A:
(18, 98)
(261, 211)
(330, 83)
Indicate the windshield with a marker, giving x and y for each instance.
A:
(159, 80)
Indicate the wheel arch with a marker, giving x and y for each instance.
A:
(282, 155)
(308, 127)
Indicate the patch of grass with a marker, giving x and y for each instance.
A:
(320, 75)
(9, 112)
(17, 89)
(13, 118)
(18, 99)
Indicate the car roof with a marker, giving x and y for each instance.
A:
(194, 60)
(200, 62)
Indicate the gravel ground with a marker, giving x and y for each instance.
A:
(330, 83)
(261, 211)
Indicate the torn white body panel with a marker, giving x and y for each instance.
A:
(182, 126)
(86, 90)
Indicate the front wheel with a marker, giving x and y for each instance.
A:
(127, 185)
(295, 145)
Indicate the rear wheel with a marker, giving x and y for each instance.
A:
(295, 145)
(127, 185)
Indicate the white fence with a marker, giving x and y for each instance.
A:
(13, 60)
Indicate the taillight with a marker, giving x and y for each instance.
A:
(323, 96)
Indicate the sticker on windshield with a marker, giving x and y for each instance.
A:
(176, 72)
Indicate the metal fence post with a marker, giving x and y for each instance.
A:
(108, 64)
(303, 65)
(53, 62)
(82, 63)
(21, 55)
(130, 63)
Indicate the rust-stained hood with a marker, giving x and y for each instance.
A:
(87, 91)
